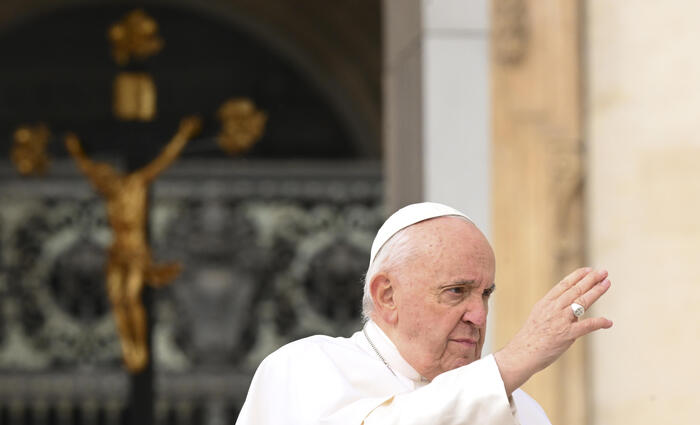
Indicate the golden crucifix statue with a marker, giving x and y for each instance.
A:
(129, 265)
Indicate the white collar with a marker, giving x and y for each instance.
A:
(391, 354)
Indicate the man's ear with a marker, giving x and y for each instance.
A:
(383, 292)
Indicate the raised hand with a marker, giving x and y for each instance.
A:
(552, 327)
(73, 144)
(190, 125)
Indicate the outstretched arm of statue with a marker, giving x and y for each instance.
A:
(552, 327)
(101, 175)
(189, 126)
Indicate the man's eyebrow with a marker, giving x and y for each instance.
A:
(460, 283)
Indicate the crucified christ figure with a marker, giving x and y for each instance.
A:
(129, 265)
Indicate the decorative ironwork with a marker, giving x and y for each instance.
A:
(135, 36)
(134, 96)
(53, 312)
(29, 149)
(242, 125)
(274, 253)
(129, 265)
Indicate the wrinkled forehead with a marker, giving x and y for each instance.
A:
(414, 236)
(441, 235)
(439, 251)
(447, 232)
(454, 246)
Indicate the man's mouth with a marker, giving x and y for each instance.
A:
(465, 341)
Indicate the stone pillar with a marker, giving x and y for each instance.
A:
(643, 95)
(403, 102)
(436, 107)
(537, 178)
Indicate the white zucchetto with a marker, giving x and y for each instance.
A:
(407, 216)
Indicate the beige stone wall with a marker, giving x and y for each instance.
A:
(643, 136)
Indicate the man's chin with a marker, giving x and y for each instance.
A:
(463, 361)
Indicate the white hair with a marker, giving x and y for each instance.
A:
(397, 250)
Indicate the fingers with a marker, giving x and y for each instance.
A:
(572, 279)
(577, 291)
(552, 326)
(586, 326)
(191, 124)
(590, 297)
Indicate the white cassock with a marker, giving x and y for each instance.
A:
(324, 380)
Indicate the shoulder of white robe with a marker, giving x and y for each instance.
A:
(304, 370)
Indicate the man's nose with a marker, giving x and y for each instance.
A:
(477, 309)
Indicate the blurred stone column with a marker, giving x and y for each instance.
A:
(537, 178)
(436, 104)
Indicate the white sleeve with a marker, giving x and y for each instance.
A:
(528, 410)
(472, 394)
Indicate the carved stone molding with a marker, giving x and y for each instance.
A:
(510, 30)
(538, 179)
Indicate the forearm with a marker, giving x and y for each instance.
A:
(76, 151)
(172, 150)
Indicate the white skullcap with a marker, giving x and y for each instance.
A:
(407, 216)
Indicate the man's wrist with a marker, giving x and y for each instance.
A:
(512, 373)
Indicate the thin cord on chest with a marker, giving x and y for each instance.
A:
(364, 331)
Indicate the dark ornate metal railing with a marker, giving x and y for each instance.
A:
(272, 251)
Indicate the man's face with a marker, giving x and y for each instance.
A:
(442, 295)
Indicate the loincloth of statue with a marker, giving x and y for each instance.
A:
(140, 261)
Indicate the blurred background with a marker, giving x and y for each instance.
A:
(566, 130)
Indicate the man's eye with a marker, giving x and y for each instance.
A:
(488, 292)
(456, 290)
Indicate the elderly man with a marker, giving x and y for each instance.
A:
(418, 359)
